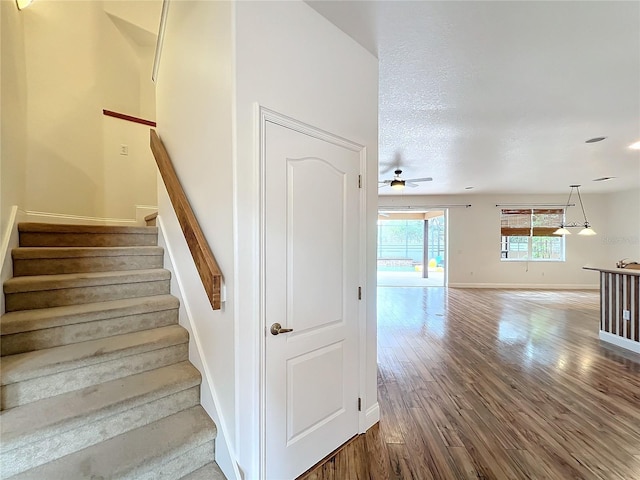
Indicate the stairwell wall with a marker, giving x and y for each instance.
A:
(219, 61)
(195, 91)
(62, 63)
(13, 113)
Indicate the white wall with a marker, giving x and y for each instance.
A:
(292, 60)
(195, 121)
(621, 239)
(284, 56)
(474, 242)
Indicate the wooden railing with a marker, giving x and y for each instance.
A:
(206, 264)
(129, 118)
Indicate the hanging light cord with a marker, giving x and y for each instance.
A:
(582, 206)
(567, 206)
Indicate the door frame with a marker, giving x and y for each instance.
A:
(265, 116)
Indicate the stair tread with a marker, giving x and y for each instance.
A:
(133, 453)
(28, 253)
(30, 320)
(54, 415)
(77, 280)
(67, 228)
(211, 471)
(25, 366)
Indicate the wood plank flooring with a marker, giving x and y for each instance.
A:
(496, 384)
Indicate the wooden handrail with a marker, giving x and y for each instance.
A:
(206, 264)
(129, 118)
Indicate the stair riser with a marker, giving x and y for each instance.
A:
(74, 296)
(54, 266)
(28, 391)
(180, 466)
(59, 444)
(68, 334)
(61, 239)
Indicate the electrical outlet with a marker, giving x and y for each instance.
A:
(124, 149)
(626, 315)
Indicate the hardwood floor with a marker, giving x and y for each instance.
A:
(496, 384)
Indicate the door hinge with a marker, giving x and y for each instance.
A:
(359, 404)
(359, 181)
(359, 293)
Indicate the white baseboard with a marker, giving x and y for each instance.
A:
(528, 286)
(371, 416)
(142, 211)
(52, 217)
(620, 341)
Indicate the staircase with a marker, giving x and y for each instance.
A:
(95, 378)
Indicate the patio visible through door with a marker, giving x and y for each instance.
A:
(412, 248)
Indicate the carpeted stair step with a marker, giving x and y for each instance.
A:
(28, 330)
(211, 471)
(43, 291)
(169, 448)
(56, 260)
(56, 235)
(32, 376)
(43, 431)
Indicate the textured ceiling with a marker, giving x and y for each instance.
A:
(501, 95)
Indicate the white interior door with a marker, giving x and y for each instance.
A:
(311, 214)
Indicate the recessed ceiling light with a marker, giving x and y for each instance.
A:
(469, 188)
(595, 139)
(635, 146)
(603, 179)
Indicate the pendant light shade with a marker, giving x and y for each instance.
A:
(587, 231)
(586, 226)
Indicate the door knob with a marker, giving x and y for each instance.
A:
(276, 328)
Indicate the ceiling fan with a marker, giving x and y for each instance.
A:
(398, 183)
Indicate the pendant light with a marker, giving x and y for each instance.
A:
(586, 226)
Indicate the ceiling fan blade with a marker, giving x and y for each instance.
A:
(424, 179)
(384, 181)
(410, 184)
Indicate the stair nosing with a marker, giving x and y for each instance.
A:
(22, 321)
(17, 368)
(53, 253)
(37, 283)
(34, 227)
(89, 409)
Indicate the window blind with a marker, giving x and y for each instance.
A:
(530, 222)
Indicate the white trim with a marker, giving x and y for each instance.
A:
(372, 416)
(10, 240)
(528, 286)
(144, 210)
(225, 454)
(265, 116)
(619, 341)
(160, 41)
(52, 217)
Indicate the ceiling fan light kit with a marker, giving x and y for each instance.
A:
(586, 231)
(398, 184)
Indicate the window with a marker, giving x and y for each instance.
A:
(527, 234)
